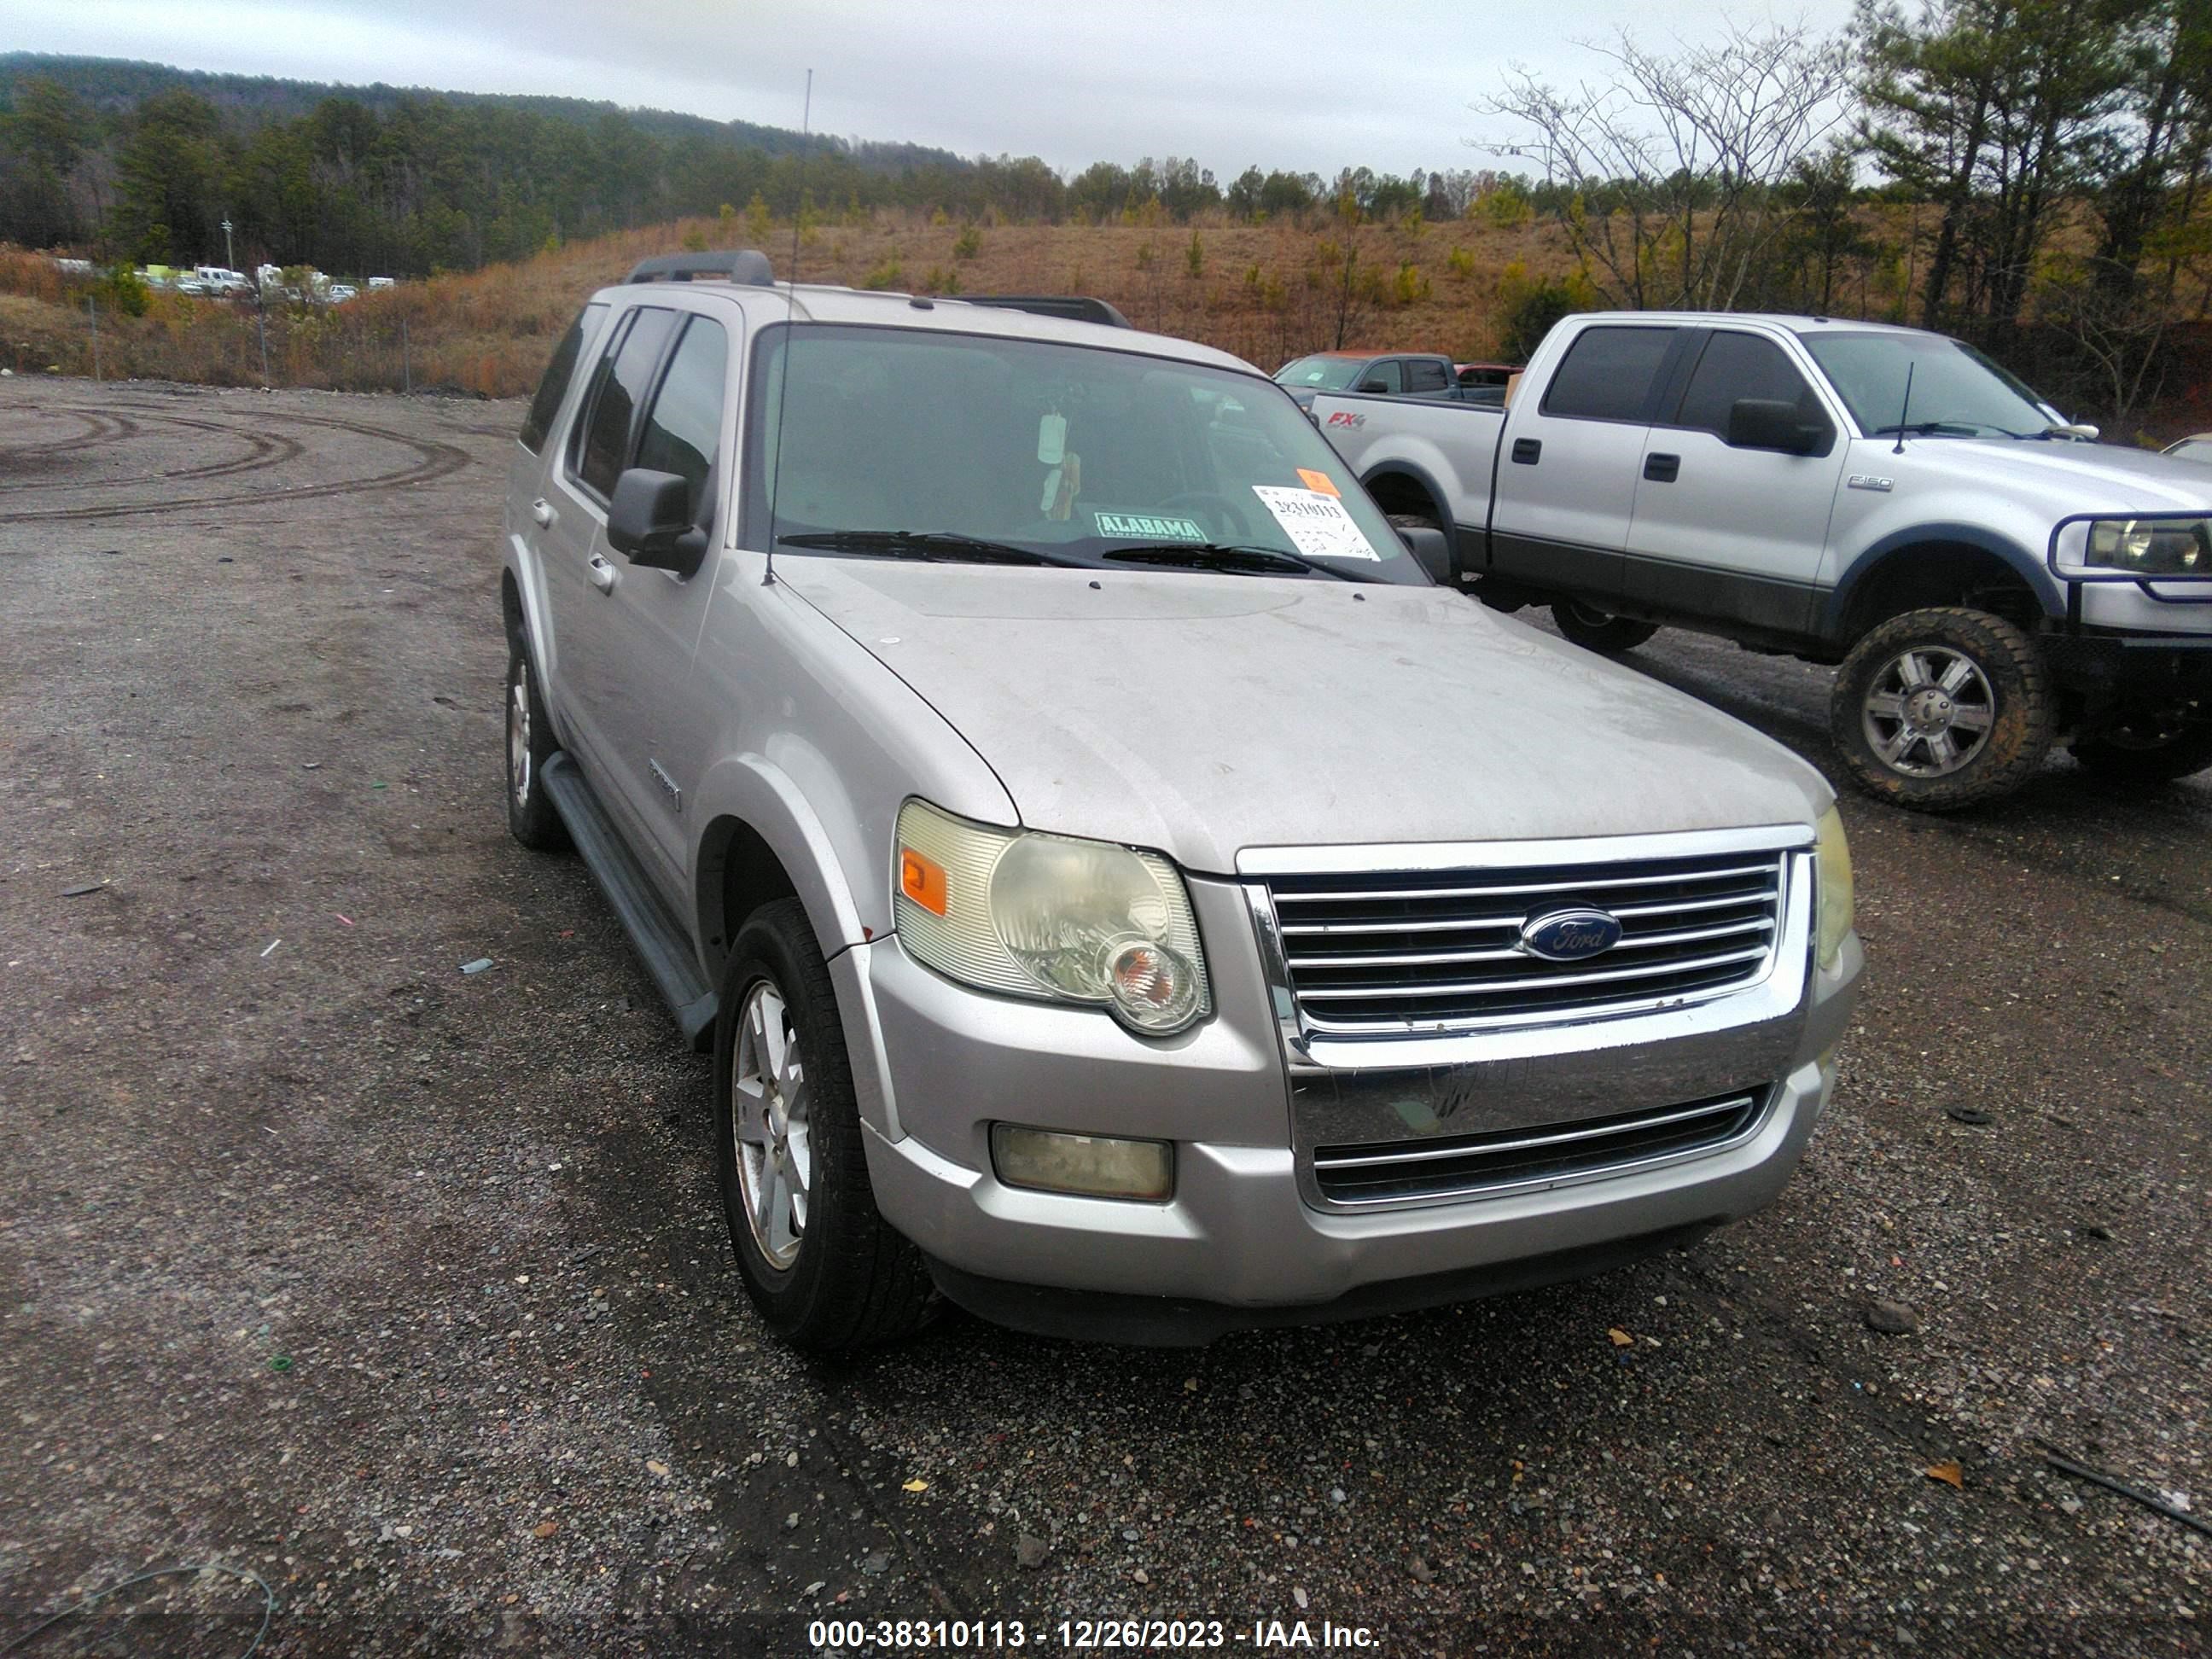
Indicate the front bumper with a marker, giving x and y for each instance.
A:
(2165, 667)
(1244, 1240)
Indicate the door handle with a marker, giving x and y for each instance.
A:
(604, 574)
(1526, 450)
(542, 510)
(1662, 469)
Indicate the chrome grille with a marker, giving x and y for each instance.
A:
(1552, 1153)
(1440, 949)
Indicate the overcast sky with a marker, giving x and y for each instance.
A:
(1310, 85)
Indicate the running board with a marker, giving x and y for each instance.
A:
(653, 934)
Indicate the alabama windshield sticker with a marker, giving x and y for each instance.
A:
(1147, 526)
(1317, 525)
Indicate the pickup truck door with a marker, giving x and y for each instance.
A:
(653, 619)
(1429, 377)
(600, 697)
(1385, 378)
(1729, 532)
(1567, 466)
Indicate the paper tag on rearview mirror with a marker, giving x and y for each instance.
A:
(1052, 439)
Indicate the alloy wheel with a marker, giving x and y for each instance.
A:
(518, 734)
(770, 1106)
(1929, 711)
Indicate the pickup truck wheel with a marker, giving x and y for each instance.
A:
(1942, 708)
(1600, 630)
(2147, 748)
(531, 818)
(820, 1262)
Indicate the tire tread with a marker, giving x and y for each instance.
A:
(2004, 650)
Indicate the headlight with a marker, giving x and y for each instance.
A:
(1832, 890)
(2138, 547)
(1051, 917)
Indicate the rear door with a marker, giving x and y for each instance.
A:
(529, 514)
(1566, 484)
(579, 571)
(653, 619)
(1730, 533)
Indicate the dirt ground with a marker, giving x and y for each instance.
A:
(406, 1290)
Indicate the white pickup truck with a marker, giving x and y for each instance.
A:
(1990, 578)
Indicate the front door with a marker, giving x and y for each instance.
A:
(1729, 533)
(653, 618)
(597, 699)
(1566, 479)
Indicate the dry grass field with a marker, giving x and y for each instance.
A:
(1266, 292)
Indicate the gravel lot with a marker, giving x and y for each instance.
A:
(407, 1289)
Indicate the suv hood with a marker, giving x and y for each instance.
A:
(1202, 714)
(2059, 477)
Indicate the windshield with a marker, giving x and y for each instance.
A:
(1320, 374)
(1953, 385)
(1071, 454)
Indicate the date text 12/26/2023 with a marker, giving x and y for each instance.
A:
(895, 1637)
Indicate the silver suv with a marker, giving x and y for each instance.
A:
(1122, 892)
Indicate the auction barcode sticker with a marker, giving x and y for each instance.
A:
(1317, 525)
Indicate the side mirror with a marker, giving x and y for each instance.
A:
(1772, 423)
(1373, 386)
(649, 522)
(1429, 545)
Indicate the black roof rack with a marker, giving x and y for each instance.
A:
(744, 265)
(1075, 307)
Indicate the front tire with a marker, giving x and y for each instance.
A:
(1600, 630)
(824, 1267)
(1942, 708)
(2146, 749)
(530, 818)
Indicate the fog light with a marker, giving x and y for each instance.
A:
(1094, 1166)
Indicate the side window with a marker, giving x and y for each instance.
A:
(1422, 375)
(559, 371)
(1606, 375)
(684, 427)
(1385, 376)
(1736, 366)
(603, 434)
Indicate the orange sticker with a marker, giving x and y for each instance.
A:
(1320, 481)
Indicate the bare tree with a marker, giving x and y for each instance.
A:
(2117, 337)
(1666, 174)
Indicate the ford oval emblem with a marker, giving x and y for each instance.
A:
(1570, 935)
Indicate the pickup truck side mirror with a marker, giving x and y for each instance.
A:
(649, 522)
(1373, 386)
(1773, 423)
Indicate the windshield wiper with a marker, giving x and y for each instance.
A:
(1942, 429)
(943, 545)
(1223, 556)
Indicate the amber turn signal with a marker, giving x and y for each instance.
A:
(922, 881)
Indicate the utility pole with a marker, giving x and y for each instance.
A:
(229, 259)
(92, 305)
